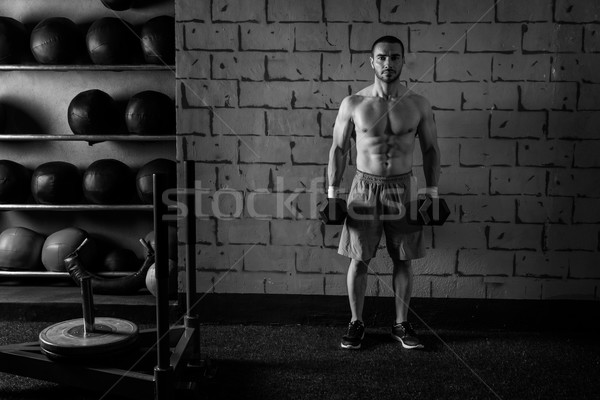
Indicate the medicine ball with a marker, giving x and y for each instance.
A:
(143, 178)
(93, 112)
(109, 41)
(20, 249)
(14, 182)
(121, 260)
(151, 283)
(62, 243)
(13, 40)
(55, 40)
(56, 182)
(107, 181)
(158, 40)
(117, 5)
(150, 113)
(171, 240)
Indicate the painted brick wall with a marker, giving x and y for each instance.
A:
(516, 93)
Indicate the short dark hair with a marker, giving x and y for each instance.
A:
(388, 39)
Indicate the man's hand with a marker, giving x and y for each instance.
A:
(335, 210)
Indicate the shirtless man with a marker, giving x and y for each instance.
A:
(384, 118)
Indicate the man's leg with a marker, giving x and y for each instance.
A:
(357, 287)
(402, 330)
(402, 284)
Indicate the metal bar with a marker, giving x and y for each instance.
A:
(56, 275)
(86, 67)
(75, 207)
(88, 304)
(190, 224)
(89, 138)
(162, 276)
(30, 363)
(182, 350)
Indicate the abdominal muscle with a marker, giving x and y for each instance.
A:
(375, 156)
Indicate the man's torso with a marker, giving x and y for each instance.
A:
(385, 133)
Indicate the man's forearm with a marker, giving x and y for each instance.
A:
(337, 164)
(431, 167)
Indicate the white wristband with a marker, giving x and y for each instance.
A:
(332, 192)
(432, 191)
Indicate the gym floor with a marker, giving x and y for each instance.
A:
(303, 361)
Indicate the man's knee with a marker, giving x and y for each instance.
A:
(401, 264)
(359, 265)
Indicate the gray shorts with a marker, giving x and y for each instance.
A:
(376, 205)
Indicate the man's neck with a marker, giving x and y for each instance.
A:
(389, 90)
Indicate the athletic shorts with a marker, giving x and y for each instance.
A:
(376, 206)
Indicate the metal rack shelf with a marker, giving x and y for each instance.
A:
(54, 275)
(89, 138)
(75, 207)
(86, 67)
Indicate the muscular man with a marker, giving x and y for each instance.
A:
(385, 119)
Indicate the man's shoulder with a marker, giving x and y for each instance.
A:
(352, 101)
(420, 101)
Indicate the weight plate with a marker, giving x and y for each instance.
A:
(67, 338)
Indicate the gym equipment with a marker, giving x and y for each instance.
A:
(56, 182)
(171, 241)
(178, 365)
(334, 211)
(109, 41)
(93, 112)
(14, 182)
(125, 285)
(427, 210)
(158, 40)
(2, 118)
(13, 40)
(120, 260)
(20, 249)
(90, 337)
(55, 40)
(151, 283)
(150, 113)
(117, 5)
(107, 181)
(63, 242)
(143, 177)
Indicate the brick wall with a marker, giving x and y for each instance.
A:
(516, 93)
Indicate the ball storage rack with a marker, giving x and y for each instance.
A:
(166, 361)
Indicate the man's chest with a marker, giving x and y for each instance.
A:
(382, 117)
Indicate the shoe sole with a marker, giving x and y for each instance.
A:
(406, 346)
(352, 347)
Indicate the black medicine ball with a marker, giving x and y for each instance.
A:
(14, 182)
(117, 5)
(107, 181)
(56, 182)
(158, 40)
(93, 112)
(121, 260)
(143, 178)
(150, 113)
(13, 40)
(110, 41)
(55, 40)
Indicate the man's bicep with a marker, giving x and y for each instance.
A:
(427, 131)
(343, 128)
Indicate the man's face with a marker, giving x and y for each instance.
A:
(387, 61)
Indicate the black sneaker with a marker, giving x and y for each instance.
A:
(354, 336)
(405, 334)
